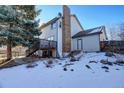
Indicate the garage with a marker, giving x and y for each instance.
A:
(88, 41)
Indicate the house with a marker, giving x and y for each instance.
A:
(69, 35)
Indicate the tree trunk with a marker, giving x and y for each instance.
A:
(9, 50)
(9, 46)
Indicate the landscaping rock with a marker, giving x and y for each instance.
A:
(106, 71)
(73, 59)
(68, 64)
(50, 61)
(47, 64)
(103, 61)
(110, 63)
(105, 67)
(88, 66)
(92, 62)
(65, 69)
(75, 55)
(60, 63)
(109, 54)
(117, 69)
(106, 62)
(120, 63)
(72, 69)
(31, 65)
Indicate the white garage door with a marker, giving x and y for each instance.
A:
(91, 43)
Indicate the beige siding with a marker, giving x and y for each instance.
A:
(56, 33)
(47, 32)
(89, 43)
(103, 36)
(75, 28)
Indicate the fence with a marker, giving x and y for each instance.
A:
(16, 52)
(113, 46)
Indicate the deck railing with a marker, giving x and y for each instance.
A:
(44, 44)
(41, 44)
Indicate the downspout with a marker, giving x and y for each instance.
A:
(57, 40)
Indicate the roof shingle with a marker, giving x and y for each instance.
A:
(88, 32)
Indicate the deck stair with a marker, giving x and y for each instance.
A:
(42, 44)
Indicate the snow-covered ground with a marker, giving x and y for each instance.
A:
(55, 77)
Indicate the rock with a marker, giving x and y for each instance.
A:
(106, 62)
(88, 66)
(92, 62)
(31, 65)
(109, 54)
(106, 71)
(103, 61)
(76, 55)
(105, 67)
(50, 61)
(68, 64)
(117, 69)
(73, 59)
(120, 62)
(65, 69)
(72, 69)
(60, 63)
(56, 60)
(48, 65)
(110, 63)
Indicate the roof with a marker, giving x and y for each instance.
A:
(56, 18)
(88, 32)
(50, 22)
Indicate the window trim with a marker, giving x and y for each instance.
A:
(54, 25)
(51, 38)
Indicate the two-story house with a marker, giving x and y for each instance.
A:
(69, 35)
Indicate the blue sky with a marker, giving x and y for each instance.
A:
(89, 16)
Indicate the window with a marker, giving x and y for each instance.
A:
(53, 25)
(60, 24)
(51, 38)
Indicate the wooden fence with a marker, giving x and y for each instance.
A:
(113, 46)
(16, 52)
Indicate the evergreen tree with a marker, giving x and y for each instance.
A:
(16, 27)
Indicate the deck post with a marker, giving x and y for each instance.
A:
(48, 49)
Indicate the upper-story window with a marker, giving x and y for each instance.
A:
(51, 38)
(60, 24)
(53, 25)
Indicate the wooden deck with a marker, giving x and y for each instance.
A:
(42, 44)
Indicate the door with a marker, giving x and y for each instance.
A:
(79, 44)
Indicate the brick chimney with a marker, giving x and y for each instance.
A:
(66, 33)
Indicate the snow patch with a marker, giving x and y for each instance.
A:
(56, 77)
